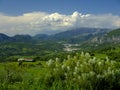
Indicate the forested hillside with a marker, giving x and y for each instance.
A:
(43, 46)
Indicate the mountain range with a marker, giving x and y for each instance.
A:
(91, 35)
(66, 35)
(45, 46)
(110, 37)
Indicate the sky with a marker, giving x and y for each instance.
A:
(49, 16)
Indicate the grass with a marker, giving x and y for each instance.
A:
(100, 56)
(79, 72)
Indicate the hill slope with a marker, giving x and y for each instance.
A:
(106, 39)
(4, 38)
(114, 32)
(74, 35)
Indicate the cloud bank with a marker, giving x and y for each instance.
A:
(41, 22)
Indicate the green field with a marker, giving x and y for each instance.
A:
(78, 72)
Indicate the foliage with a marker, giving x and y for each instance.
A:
(114, 33)
(83, 72)
(78, 72)
(11, 51)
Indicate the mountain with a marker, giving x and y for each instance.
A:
(4, 38)
(16, 38)
(72, 36)
(109, 38)
(22, 38)
(40, 36)
(78, 35)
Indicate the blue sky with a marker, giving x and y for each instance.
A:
(50, 16)
(16, 7)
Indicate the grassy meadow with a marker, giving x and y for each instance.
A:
(78, 72)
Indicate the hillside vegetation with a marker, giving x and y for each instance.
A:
(114, 33)
(79, 72)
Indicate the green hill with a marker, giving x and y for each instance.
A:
(114, 32)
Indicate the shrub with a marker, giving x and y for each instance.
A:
(13, 73)
(84, 72)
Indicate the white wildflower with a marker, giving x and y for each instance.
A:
(91, 73)
(75, 57)
(68, 56)
(64, 60)
(63, 66)
(82, 53)
(74, 73)
(57, 65)
(107, 59)
(78, 63)
(84, 75)
(99, 63)
(49, 63)
(112, 62)
(109, 69)
(68, 68)
(92, 61)
(79, 77)
(57, 59)
(76, 69)
(94, 58)
(81, 65)
(99, 76)
(54, 69)
(85, 63)
(87, 55)
(65, 74)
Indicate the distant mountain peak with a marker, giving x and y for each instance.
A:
(4, 37)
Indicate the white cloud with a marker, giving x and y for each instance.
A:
(41, 22)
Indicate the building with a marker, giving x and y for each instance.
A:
(26, 59)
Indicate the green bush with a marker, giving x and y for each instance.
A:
(84, 72)
(13, 73)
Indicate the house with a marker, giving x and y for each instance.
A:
(26, 59)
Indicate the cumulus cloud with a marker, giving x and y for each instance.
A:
(41, 22)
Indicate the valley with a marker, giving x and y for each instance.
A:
(45, 46)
